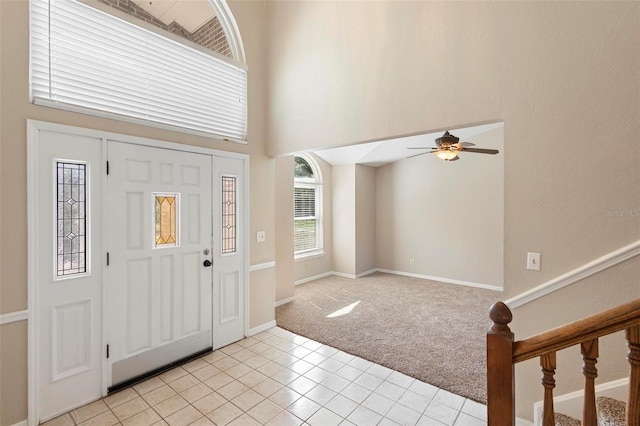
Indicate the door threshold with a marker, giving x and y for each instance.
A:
(157, 371)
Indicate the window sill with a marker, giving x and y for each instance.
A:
(308, 256)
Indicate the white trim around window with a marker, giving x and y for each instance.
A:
(308, 207)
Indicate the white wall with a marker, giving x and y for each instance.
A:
(447, 216)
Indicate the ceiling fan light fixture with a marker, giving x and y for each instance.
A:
(446, 154)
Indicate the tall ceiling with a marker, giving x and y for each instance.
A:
(191, 14)
(379, 153)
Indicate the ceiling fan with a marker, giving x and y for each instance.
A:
(450, 146)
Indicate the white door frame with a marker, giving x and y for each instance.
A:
(33, 129)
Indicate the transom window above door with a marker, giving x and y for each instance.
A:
(307, 195)
(194, 20)
(100, 61)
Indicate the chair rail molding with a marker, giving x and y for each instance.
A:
(261, 266)
(16, 316)
(591, 268)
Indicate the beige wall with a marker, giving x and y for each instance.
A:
(365, 218)
(16, 109)
(335, 73)
(344, 214)
(284, 227)
(262, 296)
(321, 264)
(354, 218)
(348, 72)
(447, 216)
(605, 290)
(13, 372)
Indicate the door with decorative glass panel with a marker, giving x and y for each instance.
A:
(229, 251)
(65, 270)
(159, 243)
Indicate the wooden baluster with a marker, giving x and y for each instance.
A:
(548, 364)
(589, 358)
(500, 371)
(633, 402)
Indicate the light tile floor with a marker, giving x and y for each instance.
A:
(279, 378)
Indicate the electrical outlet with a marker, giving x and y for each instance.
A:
(261, 236)
(533, 261)
(412, 262)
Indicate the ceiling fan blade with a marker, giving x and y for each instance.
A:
(422, 153)
(481, 150)
(464, 144)
(455, 159)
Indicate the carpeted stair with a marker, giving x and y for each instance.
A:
(562, 420)
(611, 412)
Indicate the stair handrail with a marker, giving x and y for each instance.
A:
(598, 325)
(503, 352)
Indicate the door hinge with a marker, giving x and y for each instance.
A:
(107, 258)
(107, 167)
(107, 351)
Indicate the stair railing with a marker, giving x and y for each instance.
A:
(504, 352)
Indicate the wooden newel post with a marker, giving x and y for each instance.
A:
(500, 369)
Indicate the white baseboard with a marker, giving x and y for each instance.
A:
(365, 273)
(406, 274)
(444, 280)
(22, 423)
(261, 328)
(315, 277)
(523, 422)
(571, 403)
(285, 301)
(343, 275)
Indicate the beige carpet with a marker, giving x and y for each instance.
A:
(429, 330)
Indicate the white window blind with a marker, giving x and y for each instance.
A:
(305, 219)
(96, 63)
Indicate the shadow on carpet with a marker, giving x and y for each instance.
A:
(432, 331)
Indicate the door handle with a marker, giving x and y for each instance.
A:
(207, 263)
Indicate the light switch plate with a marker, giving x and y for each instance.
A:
(533, 261)
(261, 236)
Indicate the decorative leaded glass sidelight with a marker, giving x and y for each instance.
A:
(229, 218)
(71, 217)
(166, 219)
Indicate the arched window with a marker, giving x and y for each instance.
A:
(307, 199)
(175, 65)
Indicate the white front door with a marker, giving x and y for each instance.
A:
(229, 251)
(159, 243)
(67, 266)
(156, 218)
